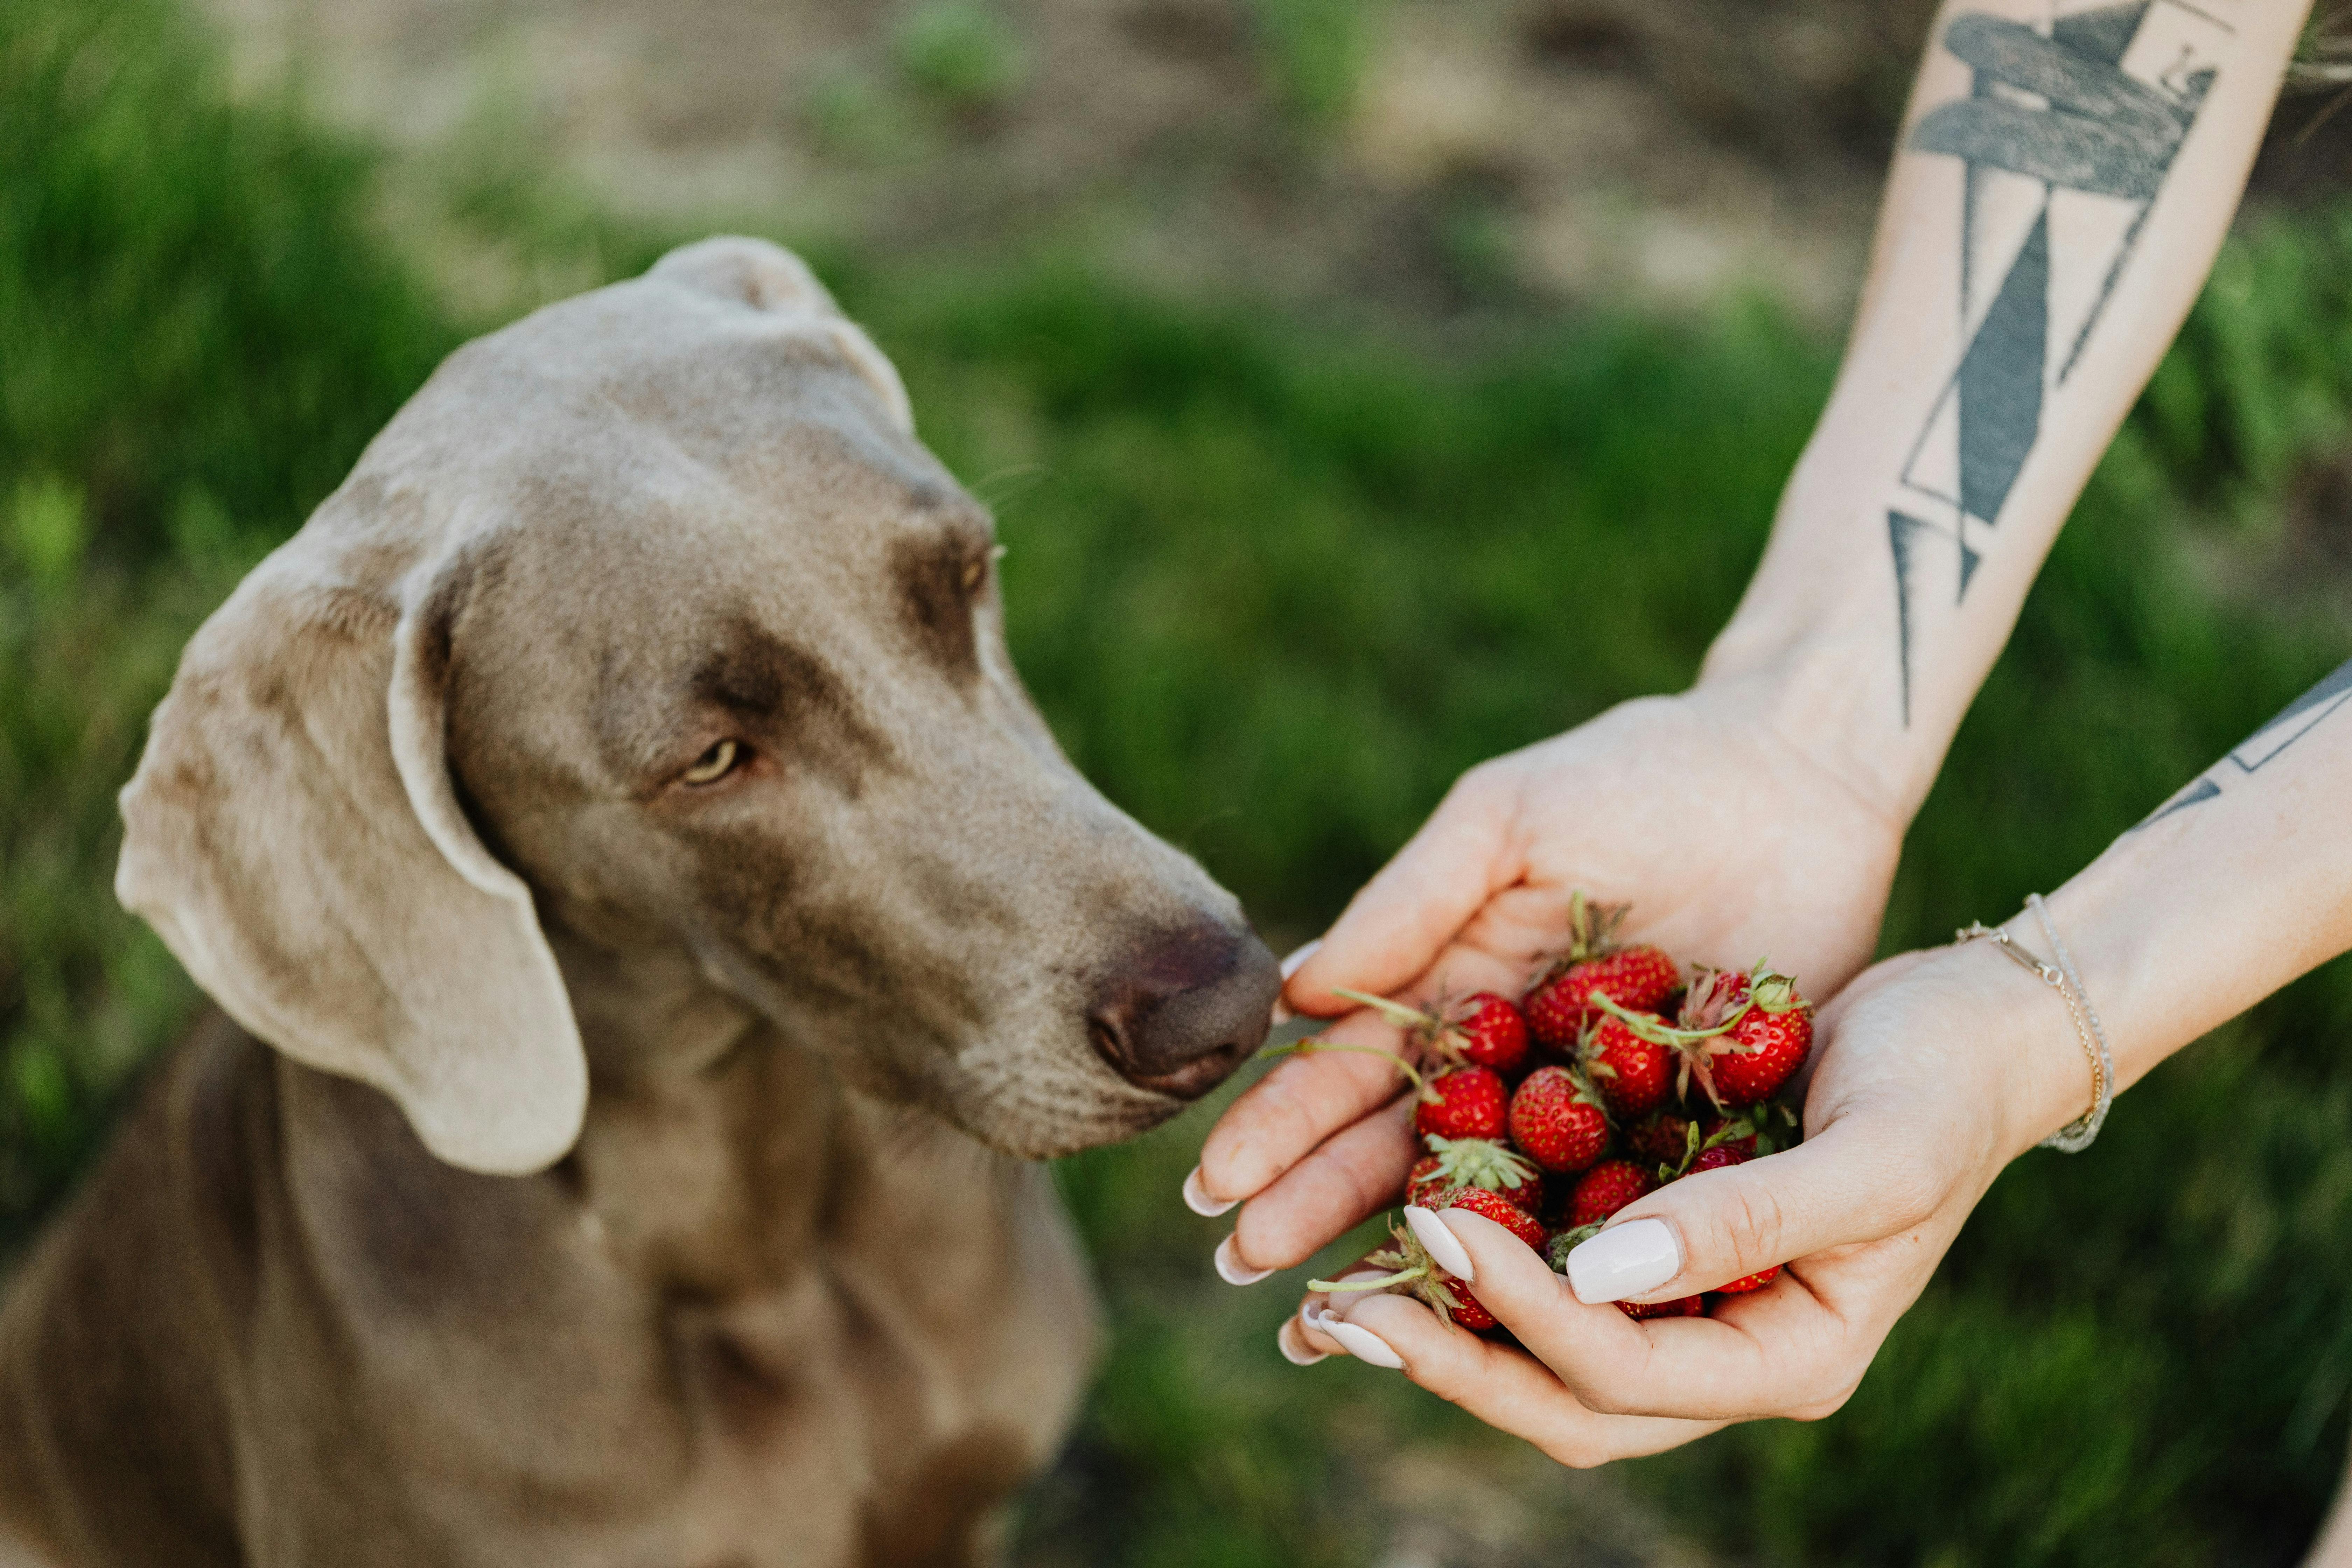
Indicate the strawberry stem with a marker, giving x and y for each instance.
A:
(1394, 1011)
(1659, 1033)
(1399, 1277)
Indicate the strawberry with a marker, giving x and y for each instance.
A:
(1557, 1119)
(1501, 1210)
(1687, 1307)
(1716, 1159)
(1664, 1139)
(1729, 1134)
(1558, 1005)
(1468, 1312)
(1481, 1030)
(1469, 1103)
(1630, 1072)
(1742, 1035)
(1486, 1031)
(1751, 1281)
(1474, 1163)
(1417, 1273)
(1606, 1188)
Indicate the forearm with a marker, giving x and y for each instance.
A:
(2236, 885)
(2035, 257)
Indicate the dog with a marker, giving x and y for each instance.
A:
(656, 935)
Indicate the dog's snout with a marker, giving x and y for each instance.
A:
(1185, 1009)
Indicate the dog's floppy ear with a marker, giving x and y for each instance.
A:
(294, 836)
(769, 278)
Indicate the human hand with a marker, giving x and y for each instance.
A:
(1932, 1071)
(1731, 841)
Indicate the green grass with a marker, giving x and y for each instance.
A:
(1275, 588)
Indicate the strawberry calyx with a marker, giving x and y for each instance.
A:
(1480, 1163)
(1412, 1266)
(1746, 1123)
(1592, 933)
(1564, 1242)
(1433, 1034)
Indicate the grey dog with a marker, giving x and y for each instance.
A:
(676, 930)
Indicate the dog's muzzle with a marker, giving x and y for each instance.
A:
(1185, 1009)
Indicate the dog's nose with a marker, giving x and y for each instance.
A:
(1186, 1009)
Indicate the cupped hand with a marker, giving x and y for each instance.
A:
(1729, 839)
(1932, 1071)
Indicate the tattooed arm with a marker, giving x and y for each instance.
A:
(2060, 187)
(1934, 1070)
(2058, 194)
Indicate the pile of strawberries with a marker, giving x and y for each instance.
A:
(1613, 1074)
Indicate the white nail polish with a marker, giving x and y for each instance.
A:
(1295, 1350)
(1298, 957)
(1197, 1198)
(1625, 1260)
(1444, 1247)
(1233, 1270)
(1363, 1345)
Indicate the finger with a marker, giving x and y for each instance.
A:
(1506, 1388)
(1291, 963)
(1840, 1187)
(1681, 1369)
(1306, 1326)
(1349, 1179)
(1285, 1116)
(1398, 922)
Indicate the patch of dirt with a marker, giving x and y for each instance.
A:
(1535, 150)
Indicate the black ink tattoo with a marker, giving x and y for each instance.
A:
(2264, 747)
(2065, 139)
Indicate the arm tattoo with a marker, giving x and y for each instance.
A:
(2261, 748)
(2065, 136)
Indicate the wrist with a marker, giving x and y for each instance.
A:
(1811, 678)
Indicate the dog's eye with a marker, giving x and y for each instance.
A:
(975, 571)
(713, 764)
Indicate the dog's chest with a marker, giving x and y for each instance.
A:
(754, 1319)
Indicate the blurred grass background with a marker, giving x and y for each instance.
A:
(1275, 583)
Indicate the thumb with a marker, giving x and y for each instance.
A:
(1840, 1188)
(1394, 928)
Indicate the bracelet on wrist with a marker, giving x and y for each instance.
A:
(2078, 1134)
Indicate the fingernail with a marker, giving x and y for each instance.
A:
(1197, 1198)
(1233, 1270)
(1443, 1244)
(1282, 1013)
(1294, 1346)
(1624, 1260)
(1362, 1343)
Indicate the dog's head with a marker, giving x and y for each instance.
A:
(648, 626)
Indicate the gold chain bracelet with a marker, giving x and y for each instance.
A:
(2077, 1135)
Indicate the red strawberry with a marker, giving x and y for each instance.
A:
(1711, 1126)
(1495, 1206)
(1630, 1072)
(1716, 1159)
(1469, 1103)
(1747, 1035)
(1687, 1307)
(1559, 1004)
(1664, 1139)
(1606, 1188)
(1486, 1031)
(1751, 1281)
(1425, 1181)
(1556, 1120)
(1468, 1312)
(1475, 1163)
(1481, 1030)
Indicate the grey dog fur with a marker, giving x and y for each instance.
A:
(639, 1178)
